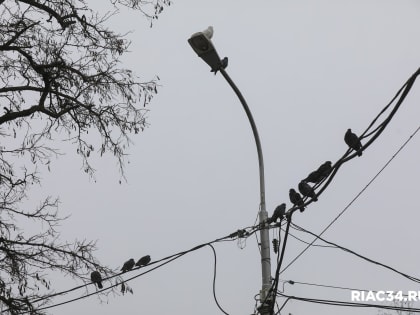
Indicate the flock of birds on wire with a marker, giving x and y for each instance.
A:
(96, 277)
(353, 141)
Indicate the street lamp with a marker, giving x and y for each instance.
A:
(201, 43)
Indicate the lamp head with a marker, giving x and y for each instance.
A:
(201, 43)
(208, 32)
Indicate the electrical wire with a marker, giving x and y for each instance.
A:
(246, 232)
(280, 255)
(280, 260)
(365, 133)
(405, 89)
(214, 280)
(348, 155)
(110, 287)
(256, 236)
(417, 280)
(307, 243)
(284, 304)
(354, 199)
(374, 134)
(325, 286)
(332, 287)
(350, 304)
(278, 252)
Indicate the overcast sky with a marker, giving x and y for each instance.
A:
(309, 71)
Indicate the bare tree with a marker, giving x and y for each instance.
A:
(60, 79)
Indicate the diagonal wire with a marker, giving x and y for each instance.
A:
(353, 200)
(360, 256)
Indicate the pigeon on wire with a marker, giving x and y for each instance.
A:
(296, 199)
(96, 278)
(278, 213)
(128, 265)
(353, 142)
(307, 191)
(323, 171)
(143, 261)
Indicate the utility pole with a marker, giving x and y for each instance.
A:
(203, 46)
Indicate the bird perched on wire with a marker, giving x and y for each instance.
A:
(307, 191)
(353, 142)
(278, 213)
(96, 278)
(323, 171)
(128, 265)
(296, 199)
(143, 261)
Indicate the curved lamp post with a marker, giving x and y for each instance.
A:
(201, 43)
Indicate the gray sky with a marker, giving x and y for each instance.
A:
(309, 70)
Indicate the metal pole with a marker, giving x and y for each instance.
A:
(264, 234)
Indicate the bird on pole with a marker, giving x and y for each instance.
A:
(353, 141)
(128, 265)
(143, 261)
(296, 199)
(96, 278)
(307, 191)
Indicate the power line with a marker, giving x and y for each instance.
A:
(347, 304)
(246, 232)
(375, 133)
(325, 286)
(214, 280)
(332, 286)
(354, 199)
(348, 155)
(402, 93)
(307, 243)
(360, 256)
(280, 260)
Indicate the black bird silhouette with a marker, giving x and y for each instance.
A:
(306, 190)
(313, 177)
(296, 199)
(222, 65)
(143, 261)
(323, 171)
(224, 62)
(96, 278)
(353, 142)
(128, 265)
(278, 213)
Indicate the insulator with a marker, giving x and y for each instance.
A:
(275, 245)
